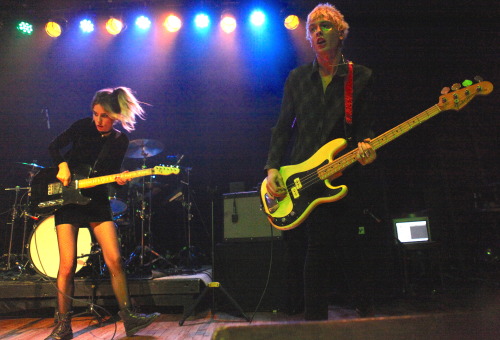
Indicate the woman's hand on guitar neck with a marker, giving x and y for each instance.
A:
(275, 186)
(122, 181)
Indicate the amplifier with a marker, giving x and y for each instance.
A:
(244, 219)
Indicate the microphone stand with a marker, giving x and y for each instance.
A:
(213, 285)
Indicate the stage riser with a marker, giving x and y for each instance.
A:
(20, 296)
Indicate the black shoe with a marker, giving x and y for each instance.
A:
(63, 330)
(134, 322)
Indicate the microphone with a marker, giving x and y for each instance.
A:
(45, 112)
(179, 160)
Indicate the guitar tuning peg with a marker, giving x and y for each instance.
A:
(467, 82)
(455, 86)
(478, 79)
(445, 90)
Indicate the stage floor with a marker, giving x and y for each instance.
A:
(417, 319)
(468, 308)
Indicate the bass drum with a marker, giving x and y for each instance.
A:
(44, 251)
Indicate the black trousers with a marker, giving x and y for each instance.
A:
(327, 243)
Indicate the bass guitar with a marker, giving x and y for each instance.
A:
(48, 194)
(308, 184)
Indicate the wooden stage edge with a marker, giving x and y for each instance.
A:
(17, 295)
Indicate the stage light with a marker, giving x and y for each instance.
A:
(143, 22)
(257, 18)
(292, 22)
(228, 23)
(172, 23)
(53, 29)
(114, 26)
(25, 28)
(86, 26)
(202, 20)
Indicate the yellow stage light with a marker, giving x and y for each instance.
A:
(292, 22)
(228, 23)
(53, 29)
(172, 23)
(114, 26)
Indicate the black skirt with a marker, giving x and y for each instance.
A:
(97, 210)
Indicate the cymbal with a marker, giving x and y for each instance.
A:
(143, 148)
(31, 165)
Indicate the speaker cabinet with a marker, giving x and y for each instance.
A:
(243, 269)
(244, 220)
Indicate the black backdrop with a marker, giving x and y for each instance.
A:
(216, 108)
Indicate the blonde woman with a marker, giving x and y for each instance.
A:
(98, 149)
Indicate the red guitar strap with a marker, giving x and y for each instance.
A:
(348, 93)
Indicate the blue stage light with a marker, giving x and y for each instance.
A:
(143, 22)
(86, 26)
(202, 20)
(257, 18)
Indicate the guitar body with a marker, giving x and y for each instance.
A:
(48, 194)
(304, 190)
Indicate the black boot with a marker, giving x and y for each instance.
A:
(134, 322)
(63, 330)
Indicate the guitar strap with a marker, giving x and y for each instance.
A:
(105, 150)
(348, 89)
(348, 93)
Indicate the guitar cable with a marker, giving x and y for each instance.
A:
(268, 279)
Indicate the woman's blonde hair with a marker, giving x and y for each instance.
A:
(122, 104)
(330, 13)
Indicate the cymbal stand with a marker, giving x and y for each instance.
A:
(143, 213)
(13, 221)
(188, 205)
(25, 214)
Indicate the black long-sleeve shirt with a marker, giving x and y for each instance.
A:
(85, 144)
(318, 116)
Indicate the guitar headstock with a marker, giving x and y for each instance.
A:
(166, 170)
(460, 97)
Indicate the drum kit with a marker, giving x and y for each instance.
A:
(129, 212)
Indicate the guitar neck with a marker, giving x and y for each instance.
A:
(341, 163)
(90, 182)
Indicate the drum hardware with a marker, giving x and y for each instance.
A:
(31, 165)
(187, 253)
(118, 207)
(33, 170)
(95, 277)
(12, 223)
(144, 148)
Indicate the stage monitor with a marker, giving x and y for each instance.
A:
(412, 229)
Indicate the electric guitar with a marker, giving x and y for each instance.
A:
(48, 194)
(308, 184)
